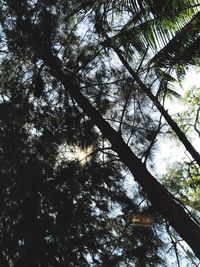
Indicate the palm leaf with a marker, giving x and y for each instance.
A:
(187, 42)
(171, 93)
(150, 23)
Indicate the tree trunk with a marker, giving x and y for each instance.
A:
(189, 147)
(160, 198)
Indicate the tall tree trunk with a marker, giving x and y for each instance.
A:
(157, 194)
(180, 134)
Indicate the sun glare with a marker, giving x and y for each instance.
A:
(74, 153)
(82, 155)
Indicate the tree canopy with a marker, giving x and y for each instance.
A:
(83, 88)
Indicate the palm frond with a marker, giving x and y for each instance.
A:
(150, 22)
(187, 42)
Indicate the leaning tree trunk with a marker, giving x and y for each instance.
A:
(156, 193)
(180, 134)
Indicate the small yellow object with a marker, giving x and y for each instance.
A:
(142, 219)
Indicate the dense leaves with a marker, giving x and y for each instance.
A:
(58, 209)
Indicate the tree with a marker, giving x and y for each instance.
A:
(57, 68)
(56, 211)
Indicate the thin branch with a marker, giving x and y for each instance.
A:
(153, 141)
(197, 121)
(174, 243)
(130, 91)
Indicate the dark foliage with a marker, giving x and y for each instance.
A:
(57, 210)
